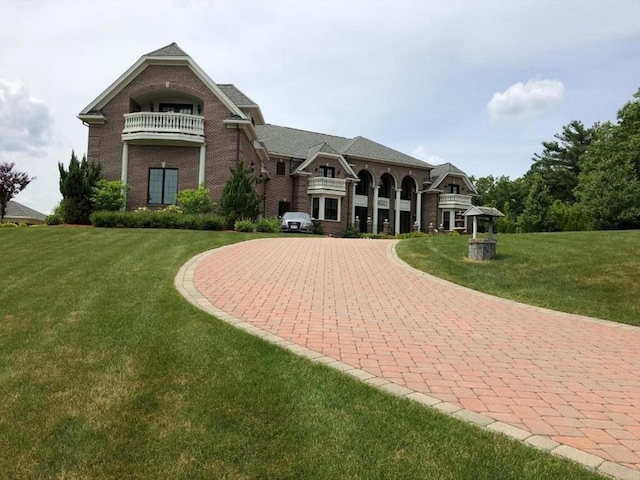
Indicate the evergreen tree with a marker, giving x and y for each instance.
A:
(76, 187)
(609, 189)
(11, 184)
(559, 163)
(239, 198)
(537, 206)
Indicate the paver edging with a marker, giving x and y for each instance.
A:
(185, 286)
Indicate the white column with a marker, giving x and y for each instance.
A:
(203, 150)
(419, 210)
(475, 227)
(124, 172)
(375, 209)
(397, 215)
(353, 204)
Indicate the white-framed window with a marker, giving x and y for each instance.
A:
(325, 207)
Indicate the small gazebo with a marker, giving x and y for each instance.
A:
(482, 248)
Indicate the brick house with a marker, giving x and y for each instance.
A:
(164, 126)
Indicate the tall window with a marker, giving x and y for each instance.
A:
(454, 188)
(163, 186)
(315, 207)
(280, 168)
(331, 209)
(362, 187)
(283, 207)
(328, 172)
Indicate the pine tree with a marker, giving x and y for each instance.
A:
(76, 187)
(239, 198)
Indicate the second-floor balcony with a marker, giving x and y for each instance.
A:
(163, 127)
(454, 200)
(325, 185)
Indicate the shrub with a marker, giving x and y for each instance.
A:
(317, 229)
(53, 219)
(351, 232)
(108, 195)
(243, 226)
(7, 225)
(157, 219)
(412, 235)
(195, 200)
(269, 225)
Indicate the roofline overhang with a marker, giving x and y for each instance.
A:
(93, 119)
(386, 162)
(337, 156)
(145, 61)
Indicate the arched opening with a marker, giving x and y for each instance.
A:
(387, 186)
(407, 212)
(361, 208)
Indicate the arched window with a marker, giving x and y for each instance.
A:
(386, 185)
(362, 187)
(407, 188)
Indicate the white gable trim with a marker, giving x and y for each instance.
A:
(138, 67)
(340, 158)
(464, 178)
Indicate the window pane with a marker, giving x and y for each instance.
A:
(331, 209)
(315, 211)
(155, 185)
(170, 186)
(280, 169)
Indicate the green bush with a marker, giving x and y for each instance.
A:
(412, 235)
(157, 219)
(269, 225)
(195, 200)
(317, 229)
(243, 226)
(8, 225)
(351, 232)
(53, 219)
(108, 195)
(377, 236)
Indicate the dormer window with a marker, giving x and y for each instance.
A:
(176, 108)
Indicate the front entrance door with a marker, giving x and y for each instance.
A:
(362, 212)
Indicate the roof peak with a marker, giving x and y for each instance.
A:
(171, 50)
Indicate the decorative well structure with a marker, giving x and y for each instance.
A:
(482, 248)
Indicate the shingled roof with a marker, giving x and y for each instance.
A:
(171, 50)
(236, 96)
(16, 212)
(291, 142)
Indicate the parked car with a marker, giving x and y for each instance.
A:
(296, 222)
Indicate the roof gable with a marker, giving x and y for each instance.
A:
(170, 55)
(440, 172)
(365, 148)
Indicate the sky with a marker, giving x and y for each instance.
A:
(479, 84)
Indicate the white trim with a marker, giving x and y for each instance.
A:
(321, 200)
(337, 156)
(137, 68)
(203, 151)
(397, 212)
(162, 138)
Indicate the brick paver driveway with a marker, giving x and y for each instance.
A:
(566, 378)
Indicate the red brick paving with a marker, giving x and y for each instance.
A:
(573, 379)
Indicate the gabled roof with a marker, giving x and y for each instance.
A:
(171, 50)
(475, 211)
(291, 142)
(236, 96)
(170, 55)
(19, 212)
(440, 172)
(321, 148)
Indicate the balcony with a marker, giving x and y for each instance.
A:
(454, 201)
(163, 128)
(329, 186)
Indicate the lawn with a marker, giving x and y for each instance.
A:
(106, 372)
(589, 273)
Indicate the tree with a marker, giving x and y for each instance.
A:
(536, 214)
(108, 195)
(11, 184)
(559, 163)
(76, 187)
(609, 188)
(239, 198)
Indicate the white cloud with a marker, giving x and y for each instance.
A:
(524, 100)
(25, 122)
(420, 153)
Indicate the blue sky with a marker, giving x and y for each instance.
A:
(478, 84)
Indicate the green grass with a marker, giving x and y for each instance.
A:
(106, 372)
(589, 273)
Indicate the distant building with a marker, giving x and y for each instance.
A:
(18, 213)
(165, 126)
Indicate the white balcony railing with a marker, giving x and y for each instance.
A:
(157, 122)
(324, 184)
(454, 199)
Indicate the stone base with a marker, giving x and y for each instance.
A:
(482, 249)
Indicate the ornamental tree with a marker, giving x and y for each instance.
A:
(239, 198)
(76, 187)
(11, 184)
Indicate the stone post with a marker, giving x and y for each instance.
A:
(386, 227)
(369, 225)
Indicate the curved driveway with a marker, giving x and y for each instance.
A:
(565, 383)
